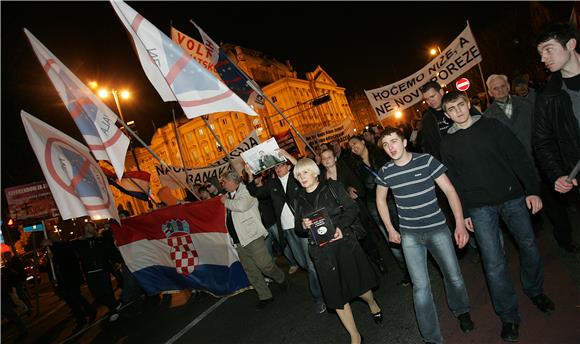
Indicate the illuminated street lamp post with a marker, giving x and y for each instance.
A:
(434, 51)
(104, 94)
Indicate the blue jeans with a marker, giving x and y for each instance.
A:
(488, 233)
(273, 235)
(440, 244)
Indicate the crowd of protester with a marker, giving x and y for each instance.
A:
(463, 175)
(415, 189)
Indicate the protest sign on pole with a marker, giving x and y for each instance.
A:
(460, 56)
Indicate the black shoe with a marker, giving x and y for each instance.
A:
(406, 281)
(263, 303)
(543, 303)
(465, 322)
(378, 316)
(509, 332)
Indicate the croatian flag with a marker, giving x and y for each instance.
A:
(75, 179)
(174, 74)
(182, 247)
(230, 73)
(93, 118)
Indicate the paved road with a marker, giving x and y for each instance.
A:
(291, 318)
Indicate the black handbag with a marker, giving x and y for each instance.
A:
(356, 227)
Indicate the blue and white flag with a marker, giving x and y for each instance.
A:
(173, 73)
(93, 118)
(76, 181)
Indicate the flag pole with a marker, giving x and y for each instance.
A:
(205, 119)
(161, 161)
(177, 135)
(481, 74)
(251, 83)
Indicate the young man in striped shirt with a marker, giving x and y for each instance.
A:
(412, 178)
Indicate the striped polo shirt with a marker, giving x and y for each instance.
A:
(413, 186)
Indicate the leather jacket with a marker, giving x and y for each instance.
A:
(556, 137)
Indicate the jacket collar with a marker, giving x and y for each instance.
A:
(554, 85)
(454, 128)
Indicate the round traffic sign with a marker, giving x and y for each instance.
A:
(462, 84)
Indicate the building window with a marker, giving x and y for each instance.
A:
(201, 132)
(224, 121)
(274, 99)
(231, 140)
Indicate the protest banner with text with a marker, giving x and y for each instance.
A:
(460, 56)
(191, 176)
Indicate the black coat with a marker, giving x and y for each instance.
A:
(340, 218)
(556, 137)
(274, 189)
(342, 266)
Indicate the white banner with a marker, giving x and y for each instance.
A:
(191, 176)
(456, 59)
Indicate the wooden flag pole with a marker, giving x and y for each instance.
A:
(205, 117)
(481, 74)
(177, 135)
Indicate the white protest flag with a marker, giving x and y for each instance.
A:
(456, 59)
(77, 183)
(173, 73)
(93, 118)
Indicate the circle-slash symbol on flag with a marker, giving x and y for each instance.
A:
(462, 84)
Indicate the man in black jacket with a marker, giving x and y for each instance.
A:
(517, 114)
(282, 190)
(486, 164)
(557, 132)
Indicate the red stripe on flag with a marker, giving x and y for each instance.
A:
(192, 103)
(47, 65)
(81, 174)
(111, 142)
(137, 22)
(176, 69)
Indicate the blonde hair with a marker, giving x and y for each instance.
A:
(306, 164)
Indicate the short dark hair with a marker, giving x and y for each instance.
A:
(560, 32)
(390, 130)
(451, 97)
(430, 85)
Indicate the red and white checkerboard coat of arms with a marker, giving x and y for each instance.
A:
(183, 251)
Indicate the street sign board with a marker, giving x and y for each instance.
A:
(462, 84)
(37, 227)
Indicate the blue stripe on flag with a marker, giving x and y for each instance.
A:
(217, 279)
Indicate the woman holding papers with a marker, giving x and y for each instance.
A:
(343, 268)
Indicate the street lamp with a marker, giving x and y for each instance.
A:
(125, 94)
(434, 51)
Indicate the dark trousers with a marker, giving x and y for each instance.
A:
(79, 306)
(555, 205)
(101, 288)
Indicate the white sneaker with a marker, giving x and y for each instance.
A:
(293, 269)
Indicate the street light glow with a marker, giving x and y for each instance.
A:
(125, 94)
(398, 114)
(93, 85)
(103, 93)
(433, 51)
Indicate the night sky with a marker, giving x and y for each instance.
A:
(362, 45)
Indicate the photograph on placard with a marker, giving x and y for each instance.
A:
(263, 156)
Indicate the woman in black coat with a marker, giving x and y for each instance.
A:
(343, 269)
(335, 170)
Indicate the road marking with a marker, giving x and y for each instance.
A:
(196, 321)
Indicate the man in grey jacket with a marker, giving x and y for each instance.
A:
(247, 232)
